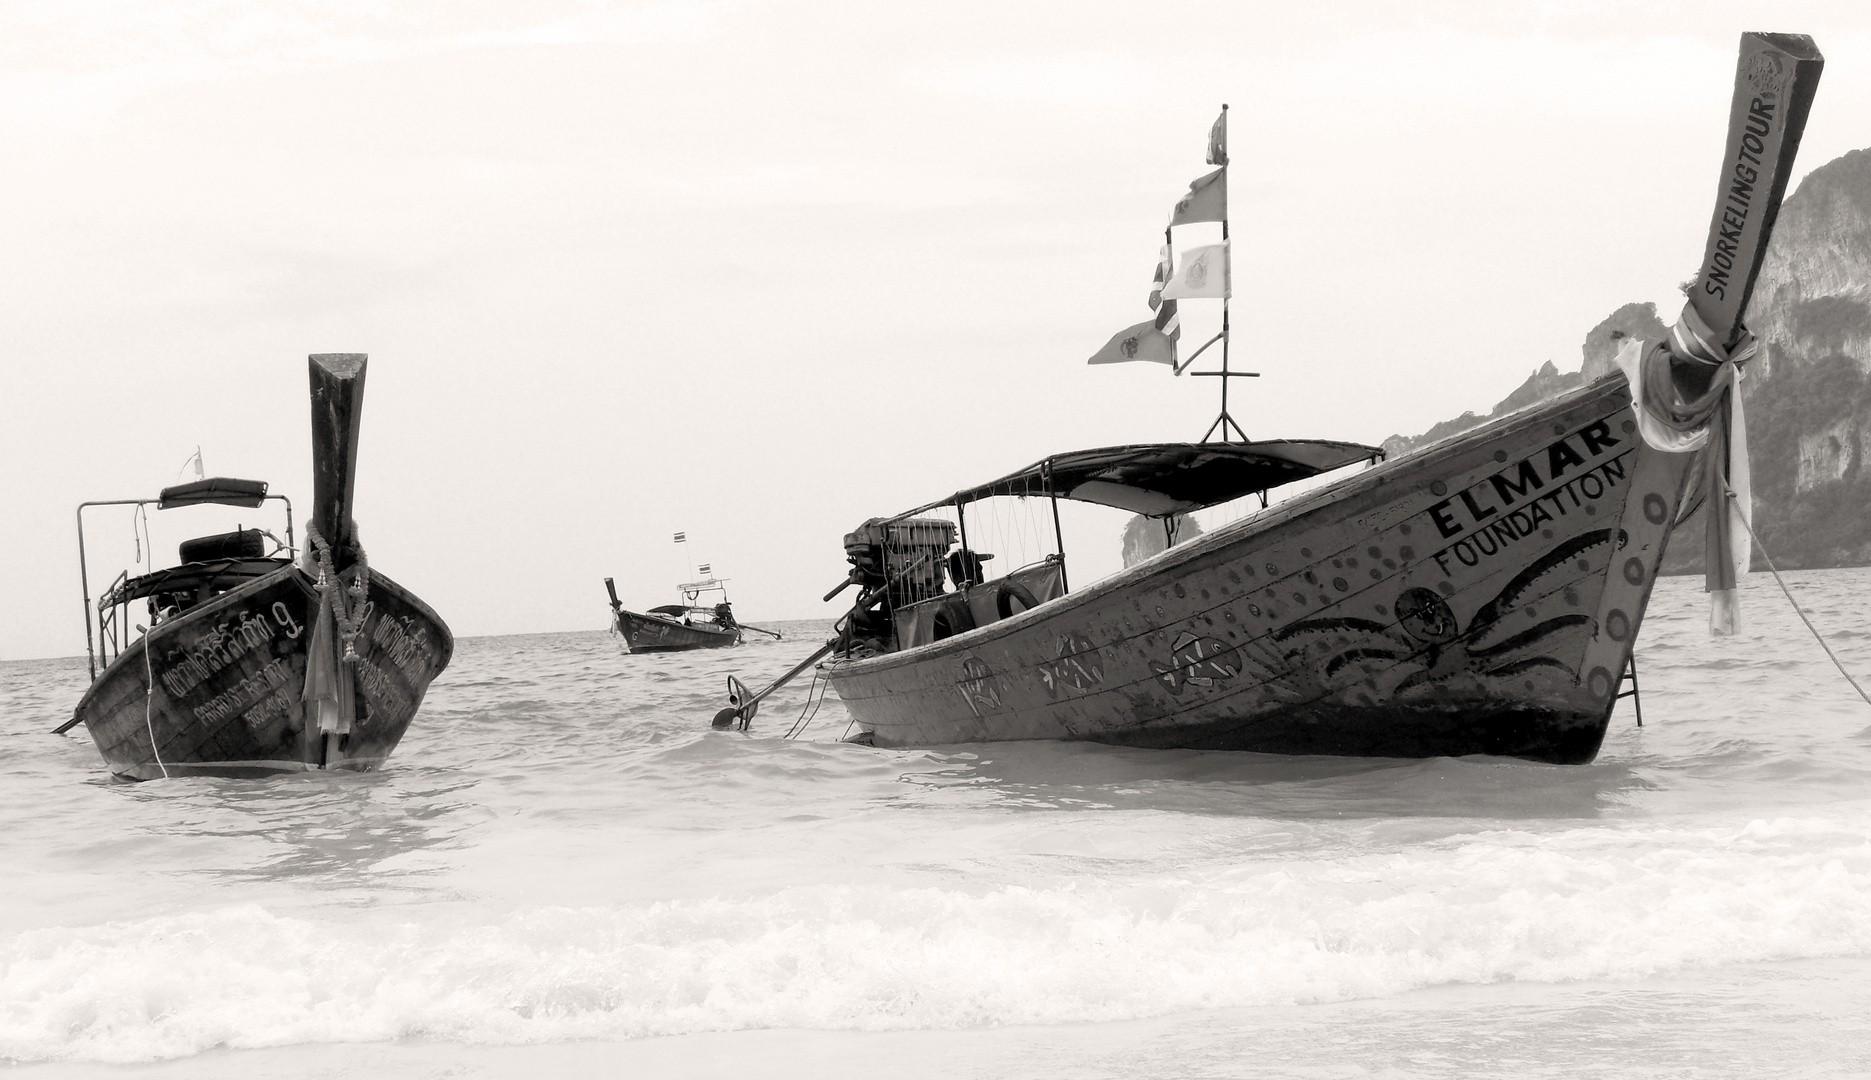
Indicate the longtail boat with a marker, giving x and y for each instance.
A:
(255, 662)
(691, 624)
(1478, 596)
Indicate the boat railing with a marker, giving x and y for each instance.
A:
(249, 494)
(111, 617)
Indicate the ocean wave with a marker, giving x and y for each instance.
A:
(1489, 907)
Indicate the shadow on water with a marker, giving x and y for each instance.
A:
(322, 830)
(1089, 776)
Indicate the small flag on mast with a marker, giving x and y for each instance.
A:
(704, 569)
(1140, 342)
(680, 537)
(1169, 324)
(1207, 200)
(1218, 139)
(1162, 275)
(1203, 273)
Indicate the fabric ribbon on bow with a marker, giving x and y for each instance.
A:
(1712, 422)
(328, 687)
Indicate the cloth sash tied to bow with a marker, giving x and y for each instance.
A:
(328, 678)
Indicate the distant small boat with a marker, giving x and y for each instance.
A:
(675, 627)
(254, 664)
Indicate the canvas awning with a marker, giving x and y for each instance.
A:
(1158, 479)
(224, 490)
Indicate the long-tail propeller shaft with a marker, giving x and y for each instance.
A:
(742, 706)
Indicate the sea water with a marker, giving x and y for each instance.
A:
(563, 871)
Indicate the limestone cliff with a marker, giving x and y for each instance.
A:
(1808, 395)
(1813, 299)
(1601, 345)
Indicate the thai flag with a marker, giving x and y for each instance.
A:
(680, 537)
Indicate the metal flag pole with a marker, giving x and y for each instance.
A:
(1225, 423)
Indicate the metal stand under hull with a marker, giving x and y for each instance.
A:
(228, 677)
(1478, 597)
(645, 633)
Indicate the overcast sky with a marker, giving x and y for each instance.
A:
(759, 270)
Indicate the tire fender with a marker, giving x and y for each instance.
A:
(1010, 590)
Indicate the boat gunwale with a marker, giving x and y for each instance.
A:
(377, 578)
(666, 620)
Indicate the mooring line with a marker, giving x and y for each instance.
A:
(1769, 559)
(810, 711)
(149, 704)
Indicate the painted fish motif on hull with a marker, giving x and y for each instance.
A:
(1197, 661)
(978, 687)
(1076, 668)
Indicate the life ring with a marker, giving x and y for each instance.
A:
(953, 617)
(1007, 592)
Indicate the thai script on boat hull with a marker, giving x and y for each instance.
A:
(221, 645)
(237, 697)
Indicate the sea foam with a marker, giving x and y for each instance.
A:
(1587, 903)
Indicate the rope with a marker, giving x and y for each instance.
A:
(140, 513)
(1796, 608)
(810, 711)
(149, 706)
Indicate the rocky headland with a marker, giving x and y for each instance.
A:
(1807, 396)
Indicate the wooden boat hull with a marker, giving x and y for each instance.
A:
(1476, 597)
(646, 633)
(228, 677)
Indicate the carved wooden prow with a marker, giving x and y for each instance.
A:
(337, 413)
(1775, 80)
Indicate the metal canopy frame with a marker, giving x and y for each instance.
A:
(92, 646)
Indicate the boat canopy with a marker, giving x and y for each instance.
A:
(224, 490)
(1159, 479)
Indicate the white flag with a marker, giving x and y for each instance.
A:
(1202, 272)
(1140, 342)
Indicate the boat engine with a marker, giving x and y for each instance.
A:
(905, 555)
(898, 563)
